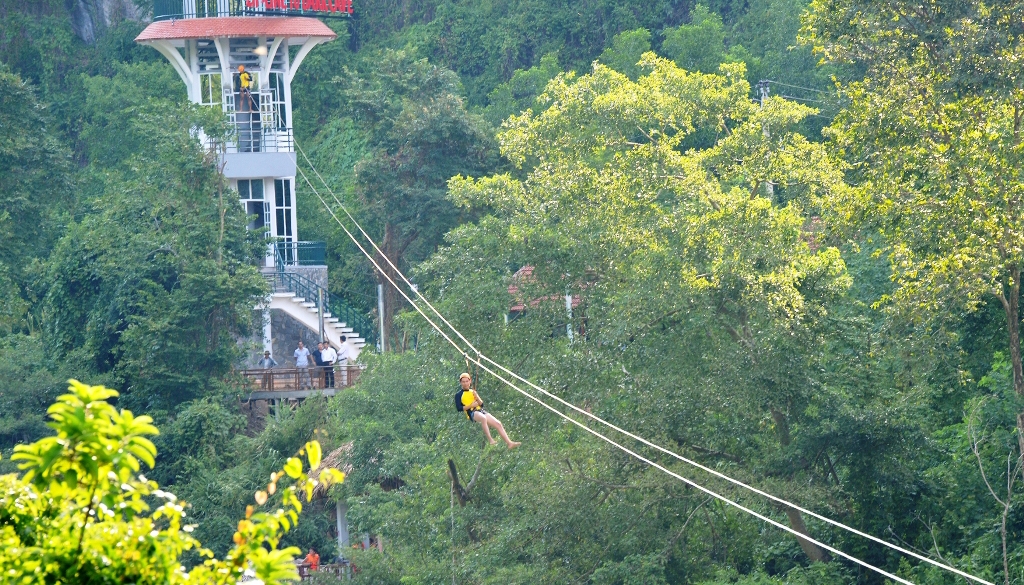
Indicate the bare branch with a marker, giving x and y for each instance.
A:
(977, 455)
(667, 552)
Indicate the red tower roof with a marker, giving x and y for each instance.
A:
(235, 26)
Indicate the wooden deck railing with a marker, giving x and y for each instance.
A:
(337, 569)
(297, 379)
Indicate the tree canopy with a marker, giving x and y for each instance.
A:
(779, 237)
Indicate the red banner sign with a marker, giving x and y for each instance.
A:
(299, 7)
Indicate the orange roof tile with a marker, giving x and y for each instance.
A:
(235, 26)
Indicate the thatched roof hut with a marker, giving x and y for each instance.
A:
(337, 459)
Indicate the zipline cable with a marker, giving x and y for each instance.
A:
(635, 437)
(568, 418)
(596, 418)
(583, 412)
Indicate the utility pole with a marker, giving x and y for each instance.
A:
(320, 311)
(568, 311)
(380, 316)
(762, 88)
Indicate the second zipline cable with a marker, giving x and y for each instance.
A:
(483, 357)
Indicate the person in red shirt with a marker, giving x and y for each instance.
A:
(313, 560)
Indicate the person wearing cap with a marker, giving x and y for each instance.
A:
(267, 363)
(244, 89)
(469, 402)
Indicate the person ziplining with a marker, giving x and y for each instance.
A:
(468, 401)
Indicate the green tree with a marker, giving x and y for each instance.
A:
(82, 510)
(419, 135)
(35, 190)
(519, 93)
(767, 31)
(157, 280)
(667, 243)
(699, 45)
(626, 50)
(935, 131)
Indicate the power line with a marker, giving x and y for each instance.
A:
(590, 415)
(793, 86)
(802, 99)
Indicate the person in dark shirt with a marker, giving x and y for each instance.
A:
(318, 358)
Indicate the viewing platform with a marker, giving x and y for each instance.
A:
(293, 383)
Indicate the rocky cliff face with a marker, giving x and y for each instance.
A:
(91, 18)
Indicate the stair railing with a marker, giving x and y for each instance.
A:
(308, 289)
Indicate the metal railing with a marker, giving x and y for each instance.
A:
(311, 291)
(354, 319)
(258, 126)
(180, 9)
(298, 379)
(303, 287)
(300, 253)
(338, 570)
(256, 138)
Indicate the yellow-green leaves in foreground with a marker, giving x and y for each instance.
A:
(82, 512)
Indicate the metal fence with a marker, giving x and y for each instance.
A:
(254, 138)
(180, 9)
(300, 254)
(338, 570)
(297, 379)
(255, 125)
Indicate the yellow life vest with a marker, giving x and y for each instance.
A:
(469, 397)
(245, 79)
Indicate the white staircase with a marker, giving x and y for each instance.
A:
(307, 313)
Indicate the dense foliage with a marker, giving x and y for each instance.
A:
(83, 512)
(789, 232)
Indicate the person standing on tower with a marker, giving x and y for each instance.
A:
(319, 361)
(267, 363)
(244, 89)
(342, 360)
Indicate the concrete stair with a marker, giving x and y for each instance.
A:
(308, 314)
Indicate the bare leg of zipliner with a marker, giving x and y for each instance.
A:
(493, 422)
(482, 419)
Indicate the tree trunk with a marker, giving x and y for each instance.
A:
(813, 551)
(389, 247)
(796, 519)
(1011, 304)
(1012, 307)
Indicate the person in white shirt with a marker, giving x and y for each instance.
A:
(328, 355)
(342, 360)
(302, 363)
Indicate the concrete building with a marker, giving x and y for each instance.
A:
(210, 43)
